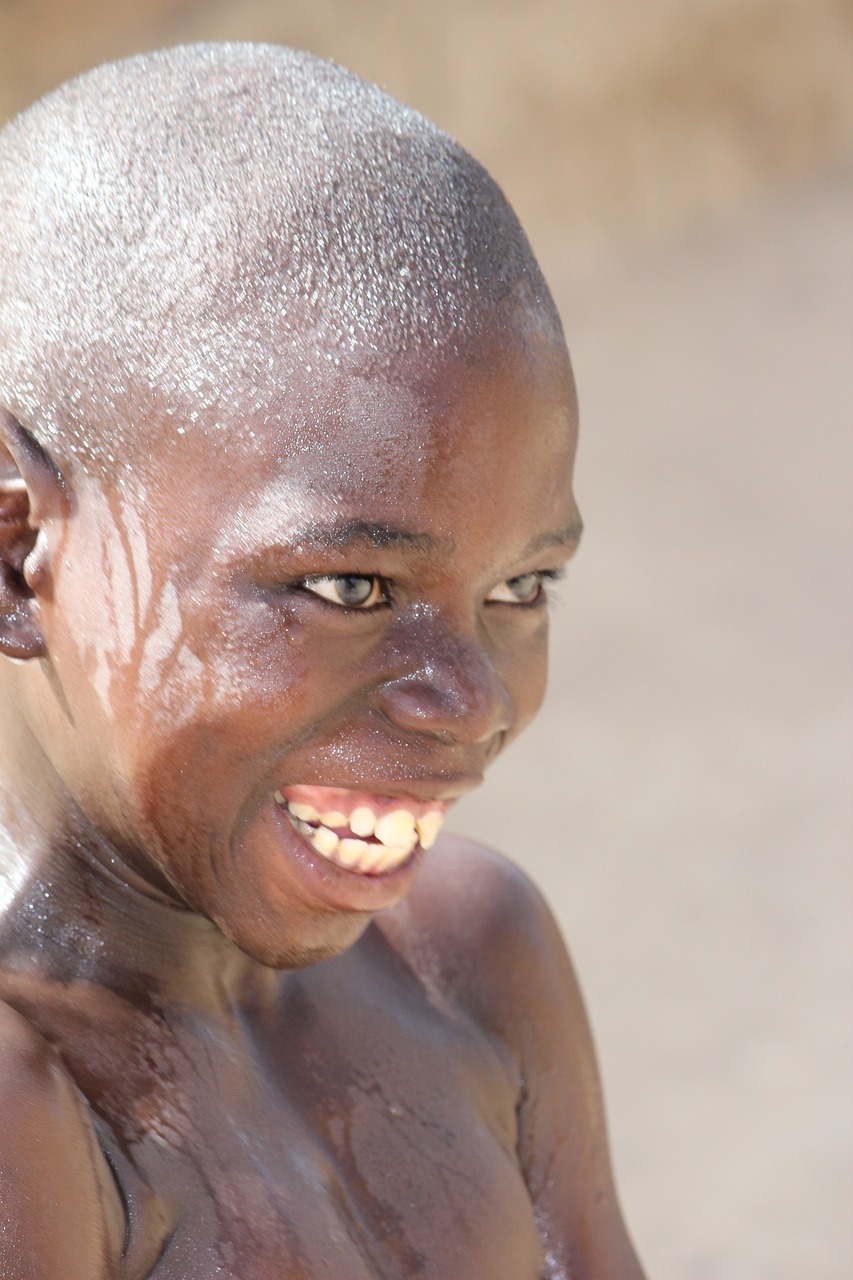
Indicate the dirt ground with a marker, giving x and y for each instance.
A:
(685, 800)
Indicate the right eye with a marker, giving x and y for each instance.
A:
(348, 591)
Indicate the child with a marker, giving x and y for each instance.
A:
(286, 433)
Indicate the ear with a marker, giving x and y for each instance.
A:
(31, 490)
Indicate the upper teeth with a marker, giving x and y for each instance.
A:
(428, 828)
(397, 833)
(362, 821)
(397, 828)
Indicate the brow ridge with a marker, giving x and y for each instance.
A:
(568, 537)
(338, 535)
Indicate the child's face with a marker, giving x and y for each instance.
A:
(208, 661)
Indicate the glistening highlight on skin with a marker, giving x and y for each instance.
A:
(287, 433)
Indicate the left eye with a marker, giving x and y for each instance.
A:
(525, 589)
(349, 591)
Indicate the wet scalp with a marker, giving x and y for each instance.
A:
(180, 228)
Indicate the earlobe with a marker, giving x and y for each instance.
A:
(31, 488)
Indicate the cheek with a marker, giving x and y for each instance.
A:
(525, 675)
(279, 665)
(247, 688)
(90, 626)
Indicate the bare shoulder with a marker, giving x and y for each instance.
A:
(464, 879)
(60, 1211)
(493, 937)
(498, 952)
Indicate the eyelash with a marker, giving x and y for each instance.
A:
(386, 587)
(541, 597)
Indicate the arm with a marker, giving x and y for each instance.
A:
(523, 991)
(60, 1210)
(562, 1136)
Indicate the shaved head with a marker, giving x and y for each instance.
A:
(182, 230)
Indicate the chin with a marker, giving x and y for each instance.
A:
(289, 947)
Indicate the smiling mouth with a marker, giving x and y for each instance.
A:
(365, 833)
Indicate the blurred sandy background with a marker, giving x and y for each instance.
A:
(685, 169)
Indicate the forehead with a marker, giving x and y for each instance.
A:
(413, 443)
(503, 420)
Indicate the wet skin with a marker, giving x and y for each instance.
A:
(222, 1055)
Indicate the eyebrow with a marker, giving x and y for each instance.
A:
(339, 535)
(336, 536)
(568, 537)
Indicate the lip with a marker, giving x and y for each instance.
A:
(365, 833)
(442, 790)
(334, 886)
(328, 886)
(346, 798)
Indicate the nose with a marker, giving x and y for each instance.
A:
(453, 692)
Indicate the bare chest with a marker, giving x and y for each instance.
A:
(352, 1139)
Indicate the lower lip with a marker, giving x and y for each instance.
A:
(338, 887)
